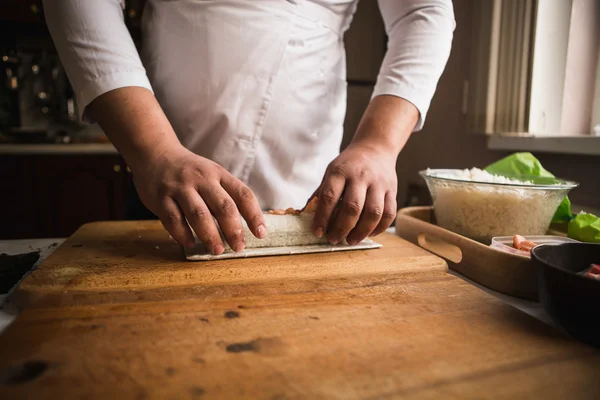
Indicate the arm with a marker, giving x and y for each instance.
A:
(95, 48)
(100, 57)
(112, 89)
(363, 177)
(420, 34)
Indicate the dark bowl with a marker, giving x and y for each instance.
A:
(571, 300)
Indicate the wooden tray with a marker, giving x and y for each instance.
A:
(511, 274)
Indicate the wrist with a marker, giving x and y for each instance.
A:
(135, 123)
(384, 148)
(386, 125)
(140, 156)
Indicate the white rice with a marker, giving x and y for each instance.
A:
(479, 175)
(482, 211)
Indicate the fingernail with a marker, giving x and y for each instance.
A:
(239, 247)
(261, 231)
(334, 240)
(218, 249)
(319, 232)
(352, 242)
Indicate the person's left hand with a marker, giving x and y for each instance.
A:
(357, 197)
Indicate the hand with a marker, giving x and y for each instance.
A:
(178, 184)
(174, 183)
(362, 179)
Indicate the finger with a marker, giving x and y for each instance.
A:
(227, 214)
(329, 195)
(348, 213)
(201, 220)
(389, 214)
(370, 217)
(174, 222)
(247, 203)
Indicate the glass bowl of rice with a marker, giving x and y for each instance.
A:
(480, 206)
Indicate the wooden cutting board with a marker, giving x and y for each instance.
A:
(107, 262)
(430, 336)
(132, 321)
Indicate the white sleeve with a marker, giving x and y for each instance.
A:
(95, 47)
(420, 34)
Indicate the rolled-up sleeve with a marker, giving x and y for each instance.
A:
(95, 47)
(420, 34)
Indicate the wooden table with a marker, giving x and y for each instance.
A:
(116, 312)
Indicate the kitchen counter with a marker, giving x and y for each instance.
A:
(47, 246)
(58, 149)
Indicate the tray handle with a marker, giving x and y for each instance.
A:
(439, 247)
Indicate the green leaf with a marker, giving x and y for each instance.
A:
(526, 166)
(563, 213)
(585, 228)
(519, 165)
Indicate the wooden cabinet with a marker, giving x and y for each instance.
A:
(53, 195)
(17, 209)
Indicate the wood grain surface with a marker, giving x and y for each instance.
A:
(378, 324)
(503, 272)
(431, 336)
(107, 262)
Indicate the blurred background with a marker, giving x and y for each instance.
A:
(497, 95)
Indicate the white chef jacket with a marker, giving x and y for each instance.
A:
(258, 86)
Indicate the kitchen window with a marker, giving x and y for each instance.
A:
(534, 82)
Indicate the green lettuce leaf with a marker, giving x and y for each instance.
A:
(585, 228)
(563, 213)
(525, 165)
(519, 165)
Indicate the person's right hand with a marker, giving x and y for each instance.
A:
(174, 183)
(177, 184)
